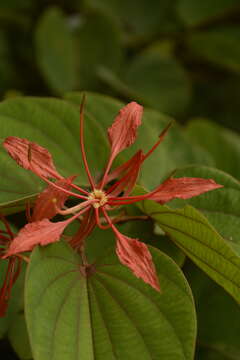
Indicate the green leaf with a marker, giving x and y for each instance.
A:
(155, 80)
(195, 12)
(214, 306)
(18, 337)
(219, 46)
(217, 135)
(98, 43)
(136, 19)
(195, 236)
(221, 206)
(108, 315)
(55, 50)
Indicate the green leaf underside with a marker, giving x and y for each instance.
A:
(109, 315)
(221, 206)
(192, 232)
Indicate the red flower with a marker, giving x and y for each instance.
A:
(101, 198)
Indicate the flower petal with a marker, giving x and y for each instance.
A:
(129, 178)
(182, 188)
(37, 233)
(49, 199)
(31, 156)
(122, 133)
(136, 256)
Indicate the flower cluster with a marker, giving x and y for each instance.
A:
(113, 190)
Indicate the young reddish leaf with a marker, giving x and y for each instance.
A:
(50, 199)
(31, 156)
(37, 233)
(123, 131)
(182, 188)
(136, 256)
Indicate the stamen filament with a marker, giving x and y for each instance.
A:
(109, 164)
(8, 229)
(68, 192)
(161, 137)
(99, 224)
(82, 144)
(74, 209)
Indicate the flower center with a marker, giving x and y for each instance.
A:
(98, 195)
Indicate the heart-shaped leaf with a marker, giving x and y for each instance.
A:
(108, 314)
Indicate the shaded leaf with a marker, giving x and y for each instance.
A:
(55, 50)
(136, 18)
(219, 46)
(214, 306)
(18, 337)
(97, 42)
(195, 12)
(217, 136)
(154, 80)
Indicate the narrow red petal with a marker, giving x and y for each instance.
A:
(122, 169)
(128, 181)
(31, 156)
(136, 256)
(49, 199)
(123, 131)
(37, 233)
(182, 188)
(86, 227)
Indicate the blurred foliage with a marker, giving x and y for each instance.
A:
(181, 57)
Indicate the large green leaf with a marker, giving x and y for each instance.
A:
(55, 51)
(217, 135)
(221, 206)
(195, 12)
(196, 237)
(108, 315)
(219, 46)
